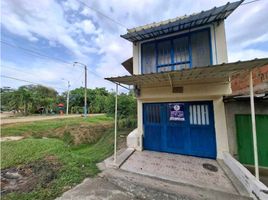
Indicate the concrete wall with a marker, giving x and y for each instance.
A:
(191, 93)
(218, 44)
(240, 107)
(195, 92)
(256, 189)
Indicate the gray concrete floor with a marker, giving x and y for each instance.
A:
(179, 168)
(159, 176)
(96, 189)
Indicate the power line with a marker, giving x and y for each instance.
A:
(33, 52)
(102, 14)
(15, 69)
(245, 3)
(75, 80)
(14, 78)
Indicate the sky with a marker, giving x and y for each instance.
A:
(66, 31)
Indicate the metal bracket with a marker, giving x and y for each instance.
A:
(170, 81)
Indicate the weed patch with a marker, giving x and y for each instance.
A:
(26, 178)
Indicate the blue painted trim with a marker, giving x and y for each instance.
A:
(215, 45)
(190, 50)
(142, 46)
(156, 56)
(210, 46)
(174, 63)
(172, 55)
(188, 34)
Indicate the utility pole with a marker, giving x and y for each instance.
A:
(85, 98)
(68, 96)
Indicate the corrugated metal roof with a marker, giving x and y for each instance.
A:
(206, 74)
(216, 14)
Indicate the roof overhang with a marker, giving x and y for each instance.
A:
(216, 14)
(257, 97)
(128, 65)
(198, 75)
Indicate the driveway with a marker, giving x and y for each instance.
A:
(190, 170)
(160, 176)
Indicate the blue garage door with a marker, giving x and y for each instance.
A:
(184, 128)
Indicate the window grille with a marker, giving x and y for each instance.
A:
(199, 114)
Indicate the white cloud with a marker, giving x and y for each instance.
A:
(49, 73)
(246, 54)
(86, 26)
(43, 19)
(86, 33)
(71, 5)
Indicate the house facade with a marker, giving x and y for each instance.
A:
(180, 79)
(207, 46)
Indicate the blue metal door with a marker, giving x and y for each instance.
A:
(191, 132)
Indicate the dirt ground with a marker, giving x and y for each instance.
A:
(25, 178)
(11, 120)
(11, 138)
(40, 173)
(80, 134)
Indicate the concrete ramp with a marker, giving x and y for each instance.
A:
(192, 171)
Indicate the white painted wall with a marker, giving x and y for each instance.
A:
(194, 92)
(219, 46)
(218, 43)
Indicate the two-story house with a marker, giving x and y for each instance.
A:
(180, 73)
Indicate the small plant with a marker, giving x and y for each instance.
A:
(129, 122)
(68, 138)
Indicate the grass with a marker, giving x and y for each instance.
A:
(77, 162)
(36, 128)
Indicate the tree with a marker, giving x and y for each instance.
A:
(30, 98)
(127, 106)
(24, 96)
(7, 99)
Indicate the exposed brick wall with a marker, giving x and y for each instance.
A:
(240, 82)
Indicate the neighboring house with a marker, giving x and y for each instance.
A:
(180, 81)
(237, 108)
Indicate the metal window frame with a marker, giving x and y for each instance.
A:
(171, 39)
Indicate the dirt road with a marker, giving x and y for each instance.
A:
(39, 118)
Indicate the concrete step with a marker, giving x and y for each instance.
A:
(145, 187)
(238, 185)
(122, 156)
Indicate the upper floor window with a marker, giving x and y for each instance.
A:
(184, 51)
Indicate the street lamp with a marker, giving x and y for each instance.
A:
(85, 98)
(68, 95)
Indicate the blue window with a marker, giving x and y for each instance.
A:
(164, 56)
(180, 52)
(148, 61)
